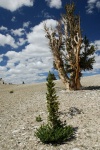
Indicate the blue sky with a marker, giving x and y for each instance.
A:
(24, 51)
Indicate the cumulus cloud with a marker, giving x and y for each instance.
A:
(54, 3)
(37, 34)
(46, 15)
(21, 41)
(18, 32)
(98, 4)
(26, 24)
(26, 66)
(16, 4)
(96, 65)
(2, 28)
(35, 59)
(97, 44)
(91, 4)
(7, 40)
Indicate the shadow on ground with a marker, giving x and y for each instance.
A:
(91, 88)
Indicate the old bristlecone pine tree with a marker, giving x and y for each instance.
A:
(70, 51)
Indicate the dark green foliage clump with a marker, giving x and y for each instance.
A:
(86, 57)
(57, 135)
(54, 131)
(38, 118)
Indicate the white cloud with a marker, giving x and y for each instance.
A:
(3, 28)
(3, 71)
(17, 32)
(97, 44)
(92, 1)
(38, 35)
(33, 60)
(13, 19)
(21, 41)
(54, 3)
(7, 40)
(91, 4)
(16, 4)
(26, 24)
(1, 58)
(96, 66)
(45, 14)
(98, 4)
(29, 66)
(2, 68)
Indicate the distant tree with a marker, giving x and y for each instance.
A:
(66, 45)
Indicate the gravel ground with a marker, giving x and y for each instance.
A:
(18, 112)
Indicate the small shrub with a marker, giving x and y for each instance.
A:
(12, 91)
(57, 135)
(38, 118)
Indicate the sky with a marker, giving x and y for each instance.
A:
(24, 50)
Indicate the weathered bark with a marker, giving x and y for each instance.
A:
(77, 77)
(55, 46)
(62, 73)
(73, 45)
(78, 47)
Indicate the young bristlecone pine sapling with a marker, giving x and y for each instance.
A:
(54, 132)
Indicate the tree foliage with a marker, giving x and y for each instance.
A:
(52, 103)
(51, 75)
(86, 57)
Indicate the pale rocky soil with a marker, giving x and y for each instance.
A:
(18, 112)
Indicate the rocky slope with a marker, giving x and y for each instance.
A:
(19, 109)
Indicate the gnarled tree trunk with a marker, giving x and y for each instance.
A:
(70, 41)
(61, 71)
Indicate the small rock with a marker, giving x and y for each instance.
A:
(75, 149)
(63, 91)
